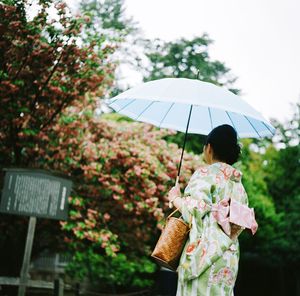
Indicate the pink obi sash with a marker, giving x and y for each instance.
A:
(230, 211)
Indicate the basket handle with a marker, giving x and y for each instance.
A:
(176, 210)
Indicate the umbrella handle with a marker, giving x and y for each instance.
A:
(183, 146)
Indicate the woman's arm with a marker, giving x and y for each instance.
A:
(197, 201)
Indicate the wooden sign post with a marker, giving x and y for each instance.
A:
(27, 255)
(34, 193)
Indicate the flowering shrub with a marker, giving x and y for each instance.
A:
(43, 70)
(121, 172)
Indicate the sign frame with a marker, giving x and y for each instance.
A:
(35, 193)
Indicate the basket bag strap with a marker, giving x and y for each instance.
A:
(175, 211)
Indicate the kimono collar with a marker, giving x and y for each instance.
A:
(228, 171)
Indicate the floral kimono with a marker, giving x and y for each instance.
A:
(216, 203)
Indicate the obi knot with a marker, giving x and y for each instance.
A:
(231, 211)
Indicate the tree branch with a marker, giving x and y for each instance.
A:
(13, 141)
(45, 83)
(58, 110)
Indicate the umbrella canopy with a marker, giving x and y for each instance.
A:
(175, 102)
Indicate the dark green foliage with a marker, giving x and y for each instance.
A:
(107, 14)
(110, 275)
(282, 175)
(272, 178)
(186, 59)
(194, 144)
(258, 246)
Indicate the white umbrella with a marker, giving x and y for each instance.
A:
(167, 103)
(190, 106)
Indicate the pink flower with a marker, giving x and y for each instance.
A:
(115, 248)
(218, 179)
(104, 237)
(227, 172)
(137, 170)
(116, 197)
(92, 211)
(203, 171)
(106, 217)
(202, 204)
(191, 247)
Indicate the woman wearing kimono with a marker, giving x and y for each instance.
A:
(216, 203)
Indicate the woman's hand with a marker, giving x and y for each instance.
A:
(174, 192)
(172, 197)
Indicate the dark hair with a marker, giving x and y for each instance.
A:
(223, 140)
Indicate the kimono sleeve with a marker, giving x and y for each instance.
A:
(197, 199)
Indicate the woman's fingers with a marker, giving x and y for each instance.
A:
(175, 191)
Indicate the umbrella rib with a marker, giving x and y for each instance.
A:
(126, 105)
(165, 115)
(211, 123)
(253, 126)
(232, 123)
(112, 102)
(230, 119)
(145, 110)
(273, 133)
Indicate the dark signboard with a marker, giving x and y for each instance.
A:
(35, 193)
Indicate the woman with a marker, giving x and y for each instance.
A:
(216, 203)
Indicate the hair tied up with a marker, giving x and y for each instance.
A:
(224, 142)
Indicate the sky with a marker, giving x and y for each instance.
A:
(259, 40)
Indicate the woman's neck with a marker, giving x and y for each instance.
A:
(215, 161)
